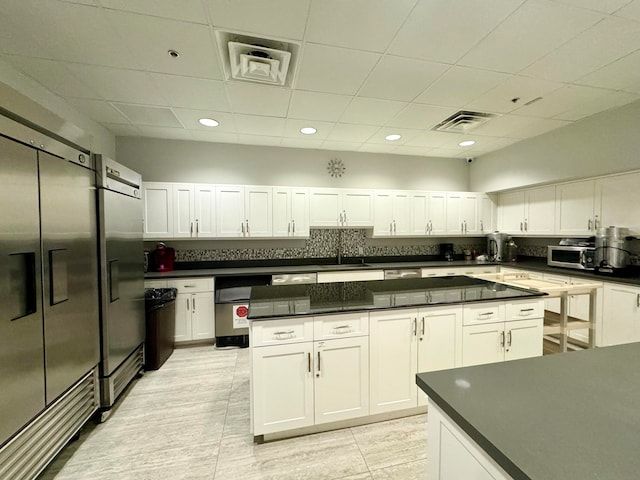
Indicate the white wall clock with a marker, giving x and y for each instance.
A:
(336, 167)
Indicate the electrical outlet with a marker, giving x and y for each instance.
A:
(360, 251)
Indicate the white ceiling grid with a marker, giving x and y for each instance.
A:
(367, 68)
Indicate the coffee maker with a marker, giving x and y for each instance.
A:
(497, 246)
(446, 251)
(163, 258)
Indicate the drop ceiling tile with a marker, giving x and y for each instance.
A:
(345, 132)
(447, 153)
(279, 18)
(189, 119)
(99, 110)
(165, 133)
(189, 92)
(430, 139)
(623, 74)
(255, 125)
(293, 126)
(121, 130)
(409, 150)
(377, 148)
(148, 115)
(150, 38)
(53, 75)
(499, 99)
(357, 24)
(406, 135)
(561, 100)
(334, 70)
(631, 10)
(19, 34)
(517, 126)
(341, 146)
(598, 104)
(604, 6)
(460, 85)
(300, 143)
(185, 10)
(260, 140)
(534, 30)
(416, 116)
(371, 111)
(444, 30)
(397, 78)
(128, 86)
(217, 137)
(258, 99)
(598, 46)
(317, 106)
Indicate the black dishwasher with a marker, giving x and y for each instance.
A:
(160, 315)
(232, 308)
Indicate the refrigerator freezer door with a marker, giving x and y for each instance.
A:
(21, 347)
(70, 272)
(123, 321)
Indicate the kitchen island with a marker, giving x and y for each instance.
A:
(571, 416)
(332, 355)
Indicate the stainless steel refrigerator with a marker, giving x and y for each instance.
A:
(49, 329)
(122, 323)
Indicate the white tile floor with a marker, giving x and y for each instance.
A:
(190, 420)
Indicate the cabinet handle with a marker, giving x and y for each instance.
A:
(415, 327)
(193, 304)
(485, 314)
(394, 227)
(526, 311)
(596, 223)
(248, 231)
(422, 325)
(430, 227)
(340, 219)
(462, 227)
(589, 224)
(343, 328)
(188, 308)
(293, 226)
(309, 362)
(242, 226)
(189, 286)
(510, 339)
(502, 339)
(318, 374)
(191, 228)
(289, 228)
(481, 226)
(390, 228)
(526, 225)
(283, 335)
(521, 227)
(638, 300)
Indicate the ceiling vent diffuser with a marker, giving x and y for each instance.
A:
(255, 59)
(463, 121)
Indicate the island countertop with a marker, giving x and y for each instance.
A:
(292, 300)
(570, 416)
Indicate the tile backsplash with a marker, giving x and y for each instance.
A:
(322, 243)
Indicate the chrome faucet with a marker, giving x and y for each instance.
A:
(339, 255)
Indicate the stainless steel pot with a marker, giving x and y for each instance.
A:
(496, 246)
(612, 249)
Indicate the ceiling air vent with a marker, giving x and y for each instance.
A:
(255, 59)
(463, 121)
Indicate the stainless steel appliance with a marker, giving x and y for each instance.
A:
(49, 330)
(122, 318)
(497, 246)
(232, 307)
(612, 249)
(579, 257)
(402, 273)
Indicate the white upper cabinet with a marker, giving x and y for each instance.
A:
(486, 214)
(333, 207)
(462, 213)
(257, 211)
(194, 212)
(158, 209)
(205, 211)
(428, 213)
(184, 209)
(616, 200)
(230, 217)
(392, 213)
(529, 211)
(290, 212)
(575, 208)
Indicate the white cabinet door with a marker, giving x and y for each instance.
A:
(437, 219)
(383, 208)
(419, 205)
(482, 344)
(183, 317)
(257, 209)
(614, 196)
(523, 339)
(511, 212)
(230, 219)
(621, 314)
(357, 208)
(401, 213)
(205, 211)
(281, 211)
(540, 211)
(202, 316)
(325, 206)
(299, 212)
(393, 360)
(469, 213)
(282, 386)
(486, 214)
(158, 209)
(183, 210)
(575, 208)
(454, 224)
(341, 379)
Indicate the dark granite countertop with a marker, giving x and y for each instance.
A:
(290, 300)
(569, 416)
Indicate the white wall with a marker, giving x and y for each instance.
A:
(608, 142)
(203, 162)
(102, 140)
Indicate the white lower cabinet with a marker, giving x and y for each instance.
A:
(195, 309)
(621, 314)
(496, 332)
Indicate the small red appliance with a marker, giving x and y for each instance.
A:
(164, 257)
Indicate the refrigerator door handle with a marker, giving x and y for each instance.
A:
(114, 280)
(58, 276)
(22, 274)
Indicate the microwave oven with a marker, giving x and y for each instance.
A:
(578, 257)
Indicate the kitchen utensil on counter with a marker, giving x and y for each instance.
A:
(612, 249)
(496, 246)
(163, 258)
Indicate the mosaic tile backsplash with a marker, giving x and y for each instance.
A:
(325, 243)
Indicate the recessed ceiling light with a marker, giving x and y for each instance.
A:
(467, 143)
(308, 130)
(209, 122)
(393, 137)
